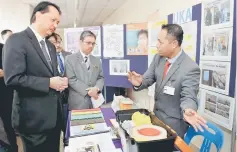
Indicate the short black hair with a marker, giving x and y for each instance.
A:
(55, 35)
(4, 32)
(142, 32)
(43, 7)
(174, 30)
(84, 34)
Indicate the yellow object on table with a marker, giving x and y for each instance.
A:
(140, 119)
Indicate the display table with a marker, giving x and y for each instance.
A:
(108, 114)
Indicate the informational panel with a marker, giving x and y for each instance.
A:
(217, 107)
(215, 54)
(116, 59)
(137, 39)
(72, 39)
(218, 61)
(113, 41)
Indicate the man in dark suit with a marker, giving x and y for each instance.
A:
(30, 67)
(6, 96)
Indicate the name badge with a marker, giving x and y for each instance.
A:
(169, 90)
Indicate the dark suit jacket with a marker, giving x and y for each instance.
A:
(26, 70)
(1, 79)
(65, 93)
(6, 93)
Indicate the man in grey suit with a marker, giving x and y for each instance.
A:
(177, 82)
(85, 74)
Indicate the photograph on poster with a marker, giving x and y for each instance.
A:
(217, 44)
(215, 76)
(218, 13)
(217, 107)
(113, 41)
(72, 39)
(119, 67)
(137, 39)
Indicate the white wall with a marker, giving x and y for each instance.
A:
(135, 11)
(14, 15)
(138, 10)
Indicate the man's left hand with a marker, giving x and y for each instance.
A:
(93, 92)
(194, 119)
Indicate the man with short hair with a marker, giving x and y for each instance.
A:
(177, 82)
(5, 34)
(6, 96)
(30, 68)
(85, 74)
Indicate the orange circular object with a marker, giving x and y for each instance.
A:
(149, 132)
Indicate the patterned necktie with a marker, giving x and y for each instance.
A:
(87, 63)
(46, 55)
(60, 63)
(167, 65)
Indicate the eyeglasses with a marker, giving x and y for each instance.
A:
(90, 43)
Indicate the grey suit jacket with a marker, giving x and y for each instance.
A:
(80, 79)
(64, 53)
(184, 76)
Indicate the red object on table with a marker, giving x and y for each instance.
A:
(149, 132)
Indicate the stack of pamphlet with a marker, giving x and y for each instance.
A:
(87, 122)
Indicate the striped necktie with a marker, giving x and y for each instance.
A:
(60, 63)
(87, 63)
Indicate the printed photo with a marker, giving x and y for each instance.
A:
(119, 67)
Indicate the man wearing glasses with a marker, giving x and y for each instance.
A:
(61, 54)
(85, 74)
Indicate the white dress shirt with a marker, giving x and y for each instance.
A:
(40, 38)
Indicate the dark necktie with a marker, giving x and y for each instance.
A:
(87, 63)
(60, 63)
(46, 55)
(167, 65)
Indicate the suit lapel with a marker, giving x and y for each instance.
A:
(81, 61)
(173, 69)
(53, 58)
(37, 47)
(92, 67)
(160, 70)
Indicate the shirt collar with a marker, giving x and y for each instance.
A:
(38, 36)
(83, 55)
(171, 61)
(59, 53)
